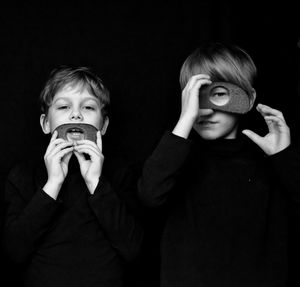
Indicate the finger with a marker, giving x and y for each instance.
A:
(53, 144)
(195, 78)
(205, 112)
(266, 110)
(94, 155)
(99, 141)
(270, 124)
(198, 84)
(86, 142)
(253, 136)
(88, 150)
(54, 136)
(197, 81)
(275, 122)
(58, 148)
(59, 155)
(80, 157)
(66, 158)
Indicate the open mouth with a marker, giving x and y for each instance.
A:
(75, 134)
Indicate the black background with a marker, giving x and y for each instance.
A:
(137, 49)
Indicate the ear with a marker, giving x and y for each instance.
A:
(252, 98)
(44, 124)
(104, 126)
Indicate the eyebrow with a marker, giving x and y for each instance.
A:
(84, 100)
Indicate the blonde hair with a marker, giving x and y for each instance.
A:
(82, 76)
(223, 63)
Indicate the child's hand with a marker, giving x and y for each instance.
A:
(190, 105)
(56, 159)
(278, 137)
(91, 168)
(190, 96)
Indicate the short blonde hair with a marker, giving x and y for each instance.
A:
(223, 63)
(82, 76)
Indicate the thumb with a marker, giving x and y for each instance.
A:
(67, 158)
(253, 136)
(99, 140)
(80, 157)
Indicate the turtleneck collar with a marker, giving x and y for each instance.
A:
(222, 147)
(73, 166)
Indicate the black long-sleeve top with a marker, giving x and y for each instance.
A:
(77, 240)
(226, 207)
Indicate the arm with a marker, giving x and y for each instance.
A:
(27, 219)
(56, 159)
(190, 109)
(283, 156)
(112, 213)
(278, 137)
(114, 208)
(286, 164)
(30, 211)
(161, 169)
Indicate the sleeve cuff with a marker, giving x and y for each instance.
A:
(41, 208)
(287, 162)
(103, 187)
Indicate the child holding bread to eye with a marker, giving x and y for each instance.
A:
(225, 191)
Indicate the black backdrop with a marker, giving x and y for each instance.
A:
(137, 49)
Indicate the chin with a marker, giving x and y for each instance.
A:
(209, 138)
(214, 134)
(209, 135)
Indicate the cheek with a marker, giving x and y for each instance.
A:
(95, 120)
(57, 119)
(232, 122)
(228, 120)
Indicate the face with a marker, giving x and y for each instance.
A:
(73, 104)
(212, 124)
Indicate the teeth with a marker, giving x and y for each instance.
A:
(75, 134)
(75, 131)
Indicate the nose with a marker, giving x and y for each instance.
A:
(205, 112)
(76, 115)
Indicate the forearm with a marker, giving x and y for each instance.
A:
(52, 188)
(162, 169)
(184, 126)
(286, 165)
(27, 223)
(121, 226)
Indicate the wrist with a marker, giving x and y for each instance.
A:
(92, 184)
(184, 126)
(52, 188)
(188, 117)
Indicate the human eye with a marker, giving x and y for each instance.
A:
(89, 107)
(219, 96)
(63, 107)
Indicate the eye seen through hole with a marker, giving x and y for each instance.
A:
(219, 96)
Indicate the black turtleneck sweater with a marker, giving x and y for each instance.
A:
(225, 207)
(77, 240)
